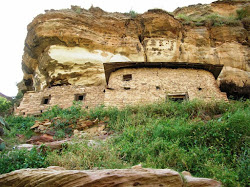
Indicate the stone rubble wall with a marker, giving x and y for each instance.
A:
(153, 84)
(62, 96)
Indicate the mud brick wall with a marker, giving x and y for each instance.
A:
(63, 96)
(154, 84)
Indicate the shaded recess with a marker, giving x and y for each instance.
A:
(235, 92)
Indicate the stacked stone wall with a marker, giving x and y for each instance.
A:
(62, 96)
(154, 84)
(147, 85)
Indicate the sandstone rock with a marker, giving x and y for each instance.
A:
(56, 144)
(69, 47)
(201, 182)
(40, 139)
(57, 176)
(24, 146)
(186, 173)
(224, 8)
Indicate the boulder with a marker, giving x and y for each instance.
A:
(57, 176)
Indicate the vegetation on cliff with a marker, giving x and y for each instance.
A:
(216, 19)
(208, 140)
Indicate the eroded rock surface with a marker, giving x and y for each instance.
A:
(57, 176)
(70, 46)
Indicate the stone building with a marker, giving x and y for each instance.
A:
(133, 83)
(35, 103)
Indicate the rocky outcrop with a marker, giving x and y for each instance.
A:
(70, 46)
(221, 7)
(57, 176)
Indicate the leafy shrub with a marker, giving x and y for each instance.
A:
(60, 134)
(72, 113)
(18, 159)
(5, 106)
(186, 19)
(132, 14)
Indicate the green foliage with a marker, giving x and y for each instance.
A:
(18, 159)
(60, 134)
(5, 106)
(62, 118)
(72, 113)
(187, 19)
(17, 99)
(177, 137)
(243, 13)
(132, 14)
(208, 139)
(211, 19)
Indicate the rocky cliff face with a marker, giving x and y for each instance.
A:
(70, 46)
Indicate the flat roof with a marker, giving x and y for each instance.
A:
(114, 66)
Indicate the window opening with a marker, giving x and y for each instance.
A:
(126, 88)
(158, 87)
(178, 97)
(80, 97)
(45, 100)
(127, 77)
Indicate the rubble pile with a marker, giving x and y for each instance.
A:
(46, 131)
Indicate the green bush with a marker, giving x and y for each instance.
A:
(132, 14)
(5, 106)
(18, 159)
(20, 125)
(72, 113)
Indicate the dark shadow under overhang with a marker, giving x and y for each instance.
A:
(114, 66)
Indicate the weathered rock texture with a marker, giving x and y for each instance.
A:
(69, 46)
(221, 7)
(56, 176)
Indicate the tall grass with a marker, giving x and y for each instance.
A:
(206, 139)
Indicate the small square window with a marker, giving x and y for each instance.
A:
(127, 77)
(178, 97)
(45, 100)
(80, 97)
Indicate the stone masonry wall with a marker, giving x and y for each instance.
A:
(63, 96)
(153, 84)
